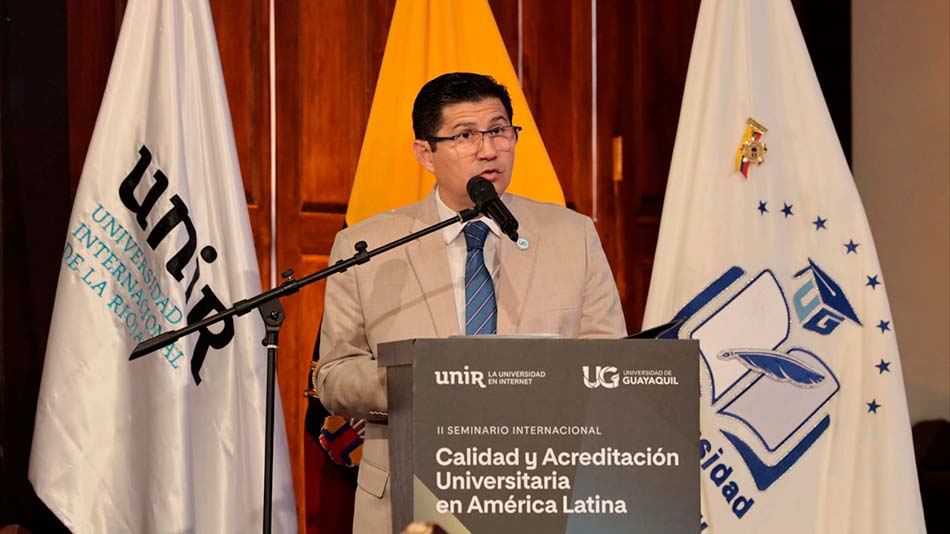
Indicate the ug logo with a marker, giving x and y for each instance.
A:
(603, 376)
(768, 394)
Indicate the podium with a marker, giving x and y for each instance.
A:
(496, 434)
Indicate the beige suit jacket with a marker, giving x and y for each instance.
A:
(560, 284)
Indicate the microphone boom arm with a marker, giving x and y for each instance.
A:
(268, 304)
(292, 285)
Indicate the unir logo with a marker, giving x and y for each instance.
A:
(465, 377)
(177, 220)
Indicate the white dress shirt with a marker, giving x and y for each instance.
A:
(457, 249)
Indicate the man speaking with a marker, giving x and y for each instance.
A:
(546, 273)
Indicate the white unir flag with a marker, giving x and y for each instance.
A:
(159, 237)
(803, 414)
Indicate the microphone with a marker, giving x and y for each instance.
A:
(486, 200)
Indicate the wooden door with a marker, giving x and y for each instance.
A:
(328, 55)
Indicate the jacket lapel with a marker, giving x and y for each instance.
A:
(515, 267)
(431, 266)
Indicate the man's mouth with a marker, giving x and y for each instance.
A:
(490, 174)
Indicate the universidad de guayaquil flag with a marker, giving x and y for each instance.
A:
(765, 253)
(159, 237)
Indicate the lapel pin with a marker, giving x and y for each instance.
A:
(523, 243)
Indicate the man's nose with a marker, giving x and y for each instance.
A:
(486, 148)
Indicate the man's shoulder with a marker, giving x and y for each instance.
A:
(544, 214)
(395, 221)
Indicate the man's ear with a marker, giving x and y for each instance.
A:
(423, 153)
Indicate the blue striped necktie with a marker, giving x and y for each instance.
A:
(480, 308)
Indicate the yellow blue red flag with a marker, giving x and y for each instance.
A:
(428, 38)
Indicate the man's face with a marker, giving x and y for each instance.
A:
(453, 166)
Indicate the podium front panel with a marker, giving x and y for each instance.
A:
(542, 435)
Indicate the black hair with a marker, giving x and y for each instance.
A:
(453, 88)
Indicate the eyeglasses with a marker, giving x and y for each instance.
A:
(469, 141)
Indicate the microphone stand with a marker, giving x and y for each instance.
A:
(268, 304)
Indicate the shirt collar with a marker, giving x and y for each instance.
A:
(451, 232)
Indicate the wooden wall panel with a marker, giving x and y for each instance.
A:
(509, 25)
(329, 54)
(92, 32)
(243, 45)
(556, 58)
(558, 90)
(341, 46)
(643, 55)
(290, 363)
(611, 96)
(642, 52)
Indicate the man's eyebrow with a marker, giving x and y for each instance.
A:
(469, 125)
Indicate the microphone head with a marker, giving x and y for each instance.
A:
(486, 200)
(480, 190)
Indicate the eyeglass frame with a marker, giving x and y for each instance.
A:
(482, 133)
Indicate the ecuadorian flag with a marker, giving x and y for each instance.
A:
(428, 38)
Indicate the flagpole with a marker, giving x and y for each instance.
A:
(268, 304)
